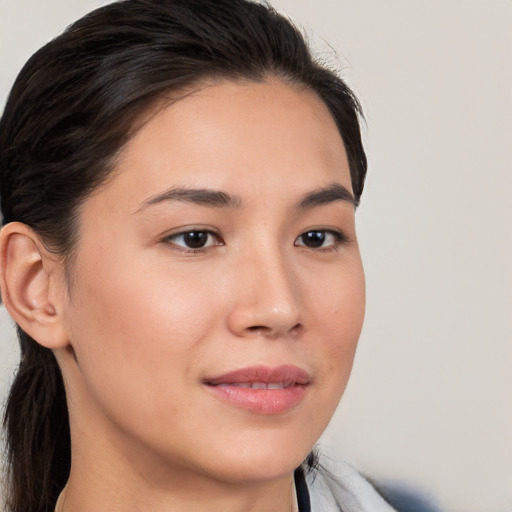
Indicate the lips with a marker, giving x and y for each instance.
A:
(261, 389)
(257, 385)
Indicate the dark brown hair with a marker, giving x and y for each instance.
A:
(72, 109)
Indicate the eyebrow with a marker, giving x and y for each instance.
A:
(218, 199)
(201, 196)
(322, 196)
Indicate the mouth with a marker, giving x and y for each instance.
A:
(257, 385)
(261, 389)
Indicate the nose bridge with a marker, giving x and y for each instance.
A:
(268, 298)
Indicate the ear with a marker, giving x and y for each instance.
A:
(30, 287)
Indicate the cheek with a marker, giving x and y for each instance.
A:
(137, 302)
(339, 309)
(138, 332)
(337, 298)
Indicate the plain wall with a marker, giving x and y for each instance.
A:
(429, 403)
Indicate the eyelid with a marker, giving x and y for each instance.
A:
(340, 239)
(169, 237)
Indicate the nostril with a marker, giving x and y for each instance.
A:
(296, 328)
(258, 328)
(273, 331)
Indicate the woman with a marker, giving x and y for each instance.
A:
(179, 180)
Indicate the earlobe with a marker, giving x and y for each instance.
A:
(26, 280)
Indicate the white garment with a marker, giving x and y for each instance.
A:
(343, 489)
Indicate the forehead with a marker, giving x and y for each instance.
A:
(237, 137)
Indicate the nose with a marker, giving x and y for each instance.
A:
(266, 299)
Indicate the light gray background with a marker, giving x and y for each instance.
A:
(429, 402)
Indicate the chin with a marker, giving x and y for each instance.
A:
(260, 465)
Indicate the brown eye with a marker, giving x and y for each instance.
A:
(320, 239)
(194, 239)
(313, 239)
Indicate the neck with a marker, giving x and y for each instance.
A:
(260, 498)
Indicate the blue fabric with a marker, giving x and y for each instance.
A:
(406, 500)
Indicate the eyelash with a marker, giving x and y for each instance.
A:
(338, 239)
(171, 239)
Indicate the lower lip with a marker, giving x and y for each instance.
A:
(261, 401)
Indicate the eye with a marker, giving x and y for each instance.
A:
(321, 239)
(194, 239)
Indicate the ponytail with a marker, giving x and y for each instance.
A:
(37, 431)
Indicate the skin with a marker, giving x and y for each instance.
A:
(144, 320)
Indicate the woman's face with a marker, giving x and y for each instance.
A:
(217, 294)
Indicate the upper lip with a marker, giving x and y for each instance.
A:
(288, 373)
